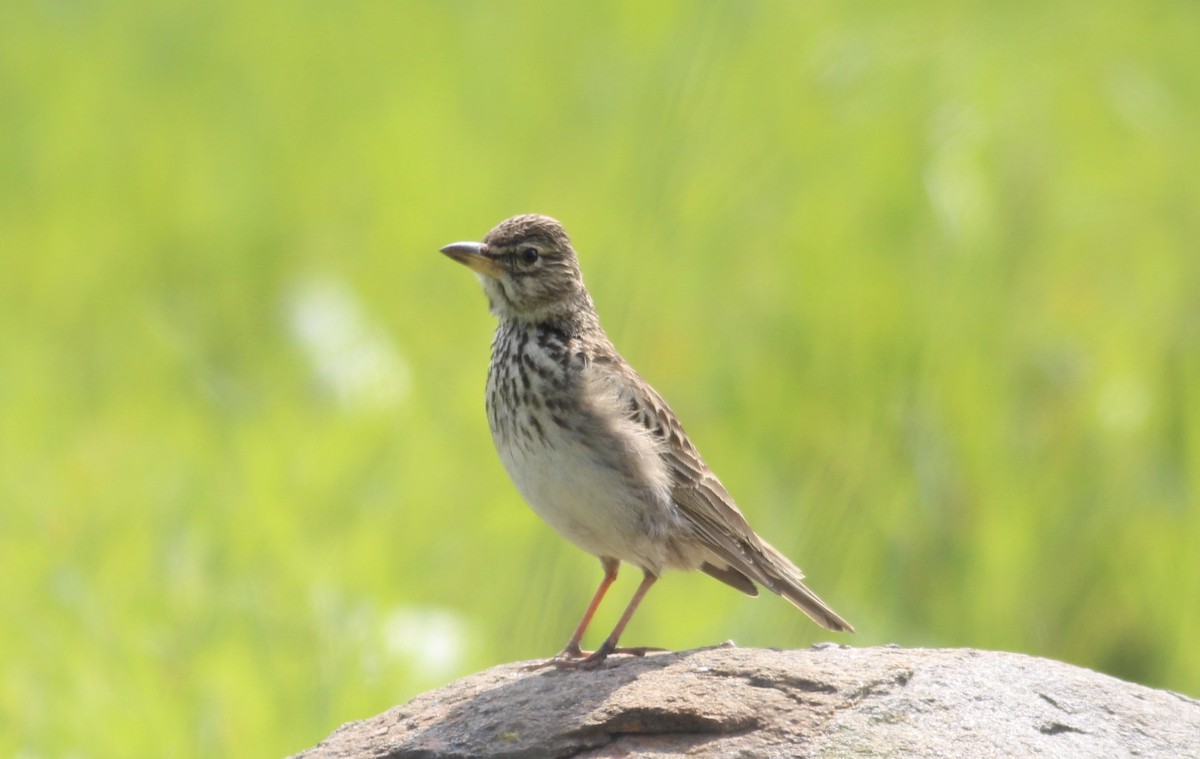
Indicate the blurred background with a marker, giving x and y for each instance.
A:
(922, 282)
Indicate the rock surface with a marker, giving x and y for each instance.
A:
(827, 701)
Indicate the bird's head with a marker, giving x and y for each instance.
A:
(528, 269)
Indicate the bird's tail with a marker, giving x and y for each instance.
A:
(781, 576)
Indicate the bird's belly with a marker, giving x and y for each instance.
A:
(590, 504)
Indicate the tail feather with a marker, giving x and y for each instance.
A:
(730, 577)
(781, 576)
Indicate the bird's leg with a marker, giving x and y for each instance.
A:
(573, 657)
(609, 646)
(572, 651)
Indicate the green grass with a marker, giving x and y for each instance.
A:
(922, 283)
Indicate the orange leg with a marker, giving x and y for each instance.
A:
(575, 657)
(610, 643)
(572, 651)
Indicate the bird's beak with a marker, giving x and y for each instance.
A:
(475, 256)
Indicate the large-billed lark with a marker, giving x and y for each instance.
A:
(593, 448)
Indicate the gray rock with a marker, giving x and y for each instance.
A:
(825, 702)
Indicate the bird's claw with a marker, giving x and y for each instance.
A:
(572, 657)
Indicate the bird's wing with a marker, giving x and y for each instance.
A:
(699, 495)
(740, 555)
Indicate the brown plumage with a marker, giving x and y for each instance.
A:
(592, 448)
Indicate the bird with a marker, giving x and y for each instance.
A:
(594, 449)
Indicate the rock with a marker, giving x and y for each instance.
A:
(828, 701)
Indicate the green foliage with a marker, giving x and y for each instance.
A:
(921, 282)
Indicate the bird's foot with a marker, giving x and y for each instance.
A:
(569, 658)
(572, 657)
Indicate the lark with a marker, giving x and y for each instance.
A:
(593, 449)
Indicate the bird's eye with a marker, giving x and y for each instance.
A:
(529, 255)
